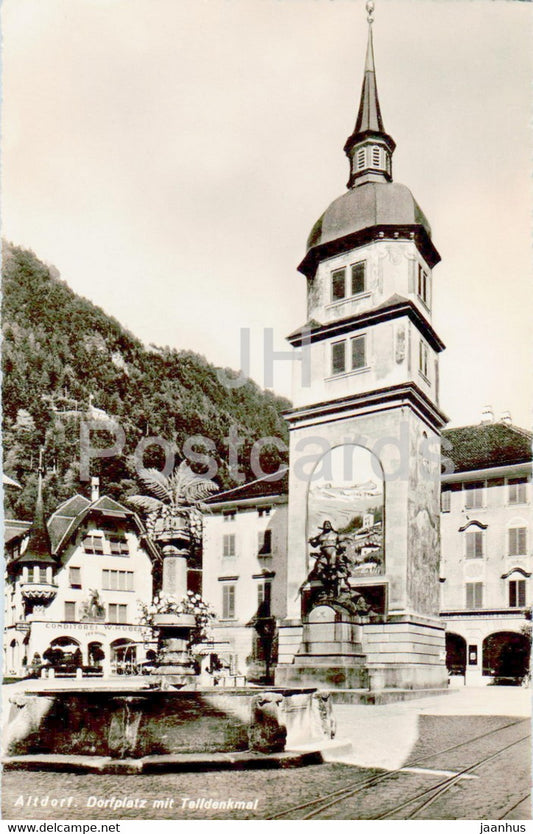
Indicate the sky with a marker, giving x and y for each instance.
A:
(169, 158)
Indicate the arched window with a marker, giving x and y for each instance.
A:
(347, 490)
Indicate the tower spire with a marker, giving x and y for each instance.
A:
(39, 549)
(369, 148)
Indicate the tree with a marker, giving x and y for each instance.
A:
(175, 501)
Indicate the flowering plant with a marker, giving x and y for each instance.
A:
(191, 603)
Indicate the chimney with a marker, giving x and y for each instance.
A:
(506, 418)
(487, 415)
(95, 489)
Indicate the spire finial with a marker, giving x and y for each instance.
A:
(369, 148)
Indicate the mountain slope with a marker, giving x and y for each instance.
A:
(65, 360)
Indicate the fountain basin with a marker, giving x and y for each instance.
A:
(127, 724)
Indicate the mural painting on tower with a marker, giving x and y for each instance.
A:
(345, 531)
(347, 490)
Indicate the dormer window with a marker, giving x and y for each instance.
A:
(94, 543)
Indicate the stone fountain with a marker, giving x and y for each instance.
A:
(172, 723)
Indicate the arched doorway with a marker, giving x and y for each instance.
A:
(95, 654)
(506, 656)
(455, 654)
(123, 657)
(64, 654)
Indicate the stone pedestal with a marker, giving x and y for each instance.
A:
(174, 659)
(330, 653)
(173, 656)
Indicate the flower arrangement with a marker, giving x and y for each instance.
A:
(191, 603)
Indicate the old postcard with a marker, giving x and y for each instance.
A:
(267, 428)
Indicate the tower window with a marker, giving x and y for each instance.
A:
(338, 284)
(358, 352)
(357, 359)
(474, 594)
(517, 541)
(376, 156)
(338, 357)
(358, 277)
(423, 358)
(517, 593)
(361, 158)
(423, 284)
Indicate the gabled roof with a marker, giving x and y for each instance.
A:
(63, 521)
(14, 530)
(487, 445)
(265, 487)
(70, 515)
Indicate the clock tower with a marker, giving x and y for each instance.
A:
(364, 488)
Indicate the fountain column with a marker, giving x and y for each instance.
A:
(174, 659)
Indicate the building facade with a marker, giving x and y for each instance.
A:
(73, 588)
(244, 573)
(485, 566)
(486, 560)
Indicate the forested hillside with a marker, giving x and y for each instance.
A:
(65, 360)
